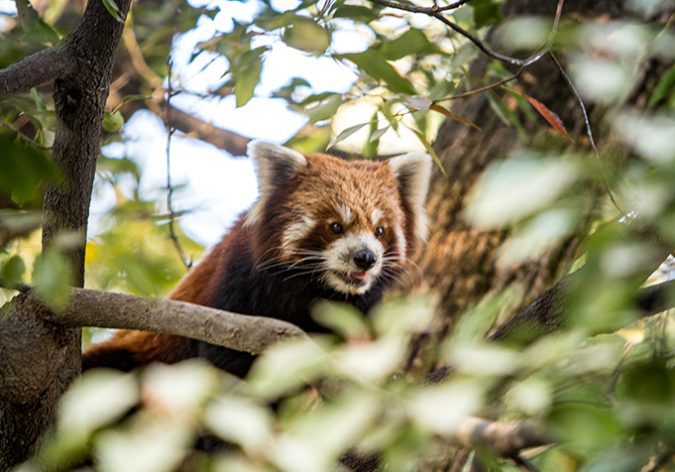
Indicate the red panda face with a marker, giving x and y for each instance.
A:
(348, 225)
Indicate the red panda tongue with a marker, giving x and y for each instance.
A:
(359, 276)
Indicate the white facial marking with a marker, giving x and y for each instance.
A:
(339, 262)
(294, 233)
(345, 213)
(376, 215)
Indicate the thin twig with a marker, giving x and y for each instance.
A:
(437, 12)
(453, 6)
(170, 130)
(484, 88)
(523, 464)
(589, 130)
(22, 135)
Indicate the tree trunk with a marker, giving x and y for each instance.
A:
(45, 358)
(459, 262)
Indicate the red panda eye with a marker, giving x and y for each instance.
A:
(336, 228)
(379, 231)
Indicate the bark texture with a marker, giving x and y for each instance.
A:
(80, 91)
(459, 263)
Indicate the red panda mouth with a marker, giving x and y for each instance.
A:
(354, 278)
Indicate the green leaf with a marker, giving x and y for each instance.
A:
(306, 35)
(248, 75)
(52, 278)
(325, 109)
(374, 64)
(485, 12)
(364, 14)
(377, 134)
(412, 41)
(345, 133)
(113, 9)
(12, 270)
(43, 34)
(113, 122)
(664, 86)
(430, 150)
(25, 169)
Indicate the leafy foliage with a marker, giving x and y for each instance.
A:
(604, 385)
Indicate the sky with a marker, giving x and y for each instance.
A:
(211, 184)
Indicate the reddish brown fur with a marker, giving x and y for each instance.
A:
(324, 184)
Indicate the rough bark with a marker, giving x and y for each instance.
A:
(48, 356)
(459, 262)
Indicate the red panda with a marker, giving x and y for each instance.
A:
(322, 228)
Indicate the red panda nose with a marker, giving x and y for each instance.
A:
(365, 259)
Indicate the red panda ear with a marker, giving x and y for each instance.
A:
(413, 171)
(274, 166)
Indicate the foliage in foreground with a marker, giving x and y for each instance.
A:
(603, 386)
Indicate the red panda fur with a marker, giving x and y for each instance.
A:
(258, 266)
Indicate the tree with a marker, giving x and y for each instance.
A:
(472, 262)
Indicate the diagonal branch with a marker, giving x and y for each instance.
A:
(221, 138)
(36, 69)
(503, 438)
(117, 310)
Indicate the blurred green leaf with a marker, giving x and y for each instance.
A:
(53, 279)
(413, 41)
(12, 270)
(373, 64)
(486, 12)
(248, 75)
(663, 88)
(305, 34)
(325, 108)
(355, 12)
(25, 168)
(113, 9)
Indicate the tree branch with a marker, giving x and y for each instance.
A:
(503, 438)
(117, 310)
(545, 314)
(36, 69)
(221, 138)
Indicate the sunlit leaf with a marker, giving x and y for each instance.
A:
(442, 408)
(373, 64)
(518, 186)
(413, 41)
(419, 103)
(345, 133)
(342, 319)
(97, 399)
(241, 421)
(307, 35)
(325, 108)
(179, 389)
(354, 12)
(431, 151)
(454, 116)
(248, 75)
(113, 9)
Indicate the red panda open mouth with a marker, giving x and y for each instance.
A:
(354, 278)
